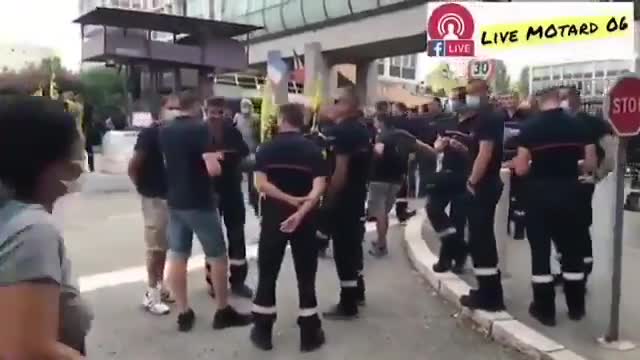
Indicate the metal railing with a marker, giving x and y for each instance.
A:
(248, 81)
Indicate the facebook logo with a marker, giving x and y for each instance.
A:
(436, 48)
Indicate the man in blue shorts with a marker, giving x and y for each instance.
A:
(186, 145)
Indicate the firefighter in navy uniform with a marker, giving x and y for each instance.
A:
(550, 146)
(449, 189)
(485, 187)
(291, 175)
(228, 139)
(351, 150)
(515, 116)
(598, 128)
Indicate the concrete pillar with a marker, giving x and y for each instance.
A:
(205, 85)
(177, 80)
(316, 69)
(276, 70)
(367, 82)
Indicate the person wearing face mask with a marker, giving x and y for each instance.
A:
(228, 140)
(485, 187)
(599, 130)
(247, 121)
(400, 113)
(41, 153)
(147, 172)
(550, 147)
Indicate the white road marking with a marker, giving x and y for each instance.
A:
(136, 274)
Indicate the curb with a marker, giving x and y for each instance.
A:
(502, 327)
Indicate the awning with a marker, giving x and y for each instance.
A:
(175, 24)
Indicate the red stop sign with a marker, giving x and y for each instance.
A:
(623, 106)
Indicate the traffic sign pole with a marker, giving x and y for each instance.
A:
(613, 332)
(622, 109)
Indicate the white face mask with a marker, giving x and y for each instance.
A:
(245, 110)
(169, 115)
(472, 100)
(565, 105)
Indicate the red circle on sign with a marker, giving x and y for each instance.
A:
(450, 22)
(623, 106)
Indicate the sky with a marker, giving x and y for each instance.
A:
(45, 23)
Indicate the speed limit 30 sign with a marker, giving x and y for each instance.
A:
(481, 69)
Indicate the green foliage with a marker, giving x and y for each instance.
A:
(523, 82)
(442, 79)
(34, 76)
(104, 89)
(502, 82)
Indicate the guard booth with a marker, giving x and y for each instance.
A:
(158, 53)
(162, 52)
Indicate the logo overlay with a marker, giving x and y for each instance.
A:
(554, 31)
(450, 29)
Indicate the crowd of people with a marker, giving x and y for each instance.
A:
(311, 182)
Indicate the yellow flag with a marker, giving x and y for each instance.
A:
(317, 100)
(53, 87)
(38, 92)
(267, 112)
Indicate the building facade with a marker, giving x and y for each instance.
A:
(192, 8)
(592, 78)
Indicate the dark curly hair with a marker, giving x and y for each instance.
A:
(34, 133)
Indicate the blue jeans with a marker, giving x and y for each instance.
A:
(207, 227)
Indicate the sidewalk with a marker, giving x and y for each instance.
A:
(577, 336)
(403, 319)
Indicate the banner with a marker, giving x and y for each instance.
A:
(545, 31)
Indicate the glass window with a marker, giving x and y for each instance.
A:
(136, 4)
(381, 68)
(599, 73)
(409, 73)
(394, 71)
(396, 61)
(588, 88)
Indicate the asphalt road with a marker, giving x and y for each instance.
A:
(403, 318)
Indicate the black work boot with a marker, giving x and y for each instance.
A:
(487, 297)
(574, 292)
(311, 334)
(230, 317)
(261, 332)
(543, 307)
(361, 297)
(445, 261)
(347, 308)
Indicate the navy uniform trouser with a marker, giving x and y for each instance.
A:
(585, 210)
(450, 227)
(271, 249)
(232, 210)
(516, 207)
(551, 216)
(347, 234)
(482, 240)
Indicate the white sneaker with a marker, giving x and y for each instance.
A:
(152, 302)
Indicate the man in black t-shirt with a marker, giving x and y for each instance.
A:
(228, 140)
(551, 145)
(485, 187)
(389, 170)
(401, 120)
(291, 174)
(345, 199)
(146, 170)
(191, 162)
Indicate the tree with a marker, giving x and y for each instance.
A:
(442, 79)
(523, 83)
(103, 88)
(502, 82)
(38, 76)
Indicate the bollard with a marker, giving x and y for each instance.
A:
(501, 222)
